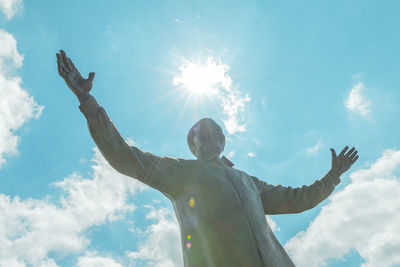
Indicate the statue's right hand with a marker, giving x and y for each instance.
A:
(342, 162)
(67, 70)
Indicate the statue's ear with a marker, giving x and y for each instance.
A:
(227, 161)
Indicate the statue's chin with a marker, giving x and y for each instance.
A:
(207, 156)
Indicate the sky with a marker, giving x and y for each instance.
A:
(286, 80)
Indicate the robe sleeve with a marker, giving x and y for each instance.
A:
(279, 199)
(161, 173)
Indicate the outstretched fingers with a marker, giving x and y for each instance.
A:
(347, 155)
(62, 60)
(66, 60)
(343, 151)
(350, 156)
(71, 65)
(333, 153)
(354, 160)
(60, 65)
(353, 155)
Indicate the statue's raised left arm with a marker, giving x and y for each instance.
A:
(162, 173)
(279, 199)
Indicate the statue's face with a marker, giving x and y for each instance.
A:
(206, 140)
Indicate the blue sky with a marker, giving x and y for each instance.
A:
(300, 78)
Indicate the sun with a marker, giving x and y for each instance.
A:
(196, 79)
(202, 85)
(200, 79)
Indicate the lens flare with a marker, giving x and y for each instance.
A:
(191, 202)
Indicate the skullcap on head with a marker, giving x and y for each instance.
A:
(212, 127)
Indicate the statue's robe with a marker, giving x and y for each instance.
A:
(221, 208)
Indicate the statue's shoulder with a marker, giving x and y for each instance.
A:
(188, 162)
(184, 162)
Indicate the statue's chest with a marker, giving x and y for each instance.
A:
(217, 180)
(214, 190)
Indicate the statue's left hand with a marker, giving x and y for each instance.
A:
(67, 70)
(343, 162)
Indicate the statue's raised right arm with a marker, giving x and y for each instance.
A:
(279, 199)
(162, 173)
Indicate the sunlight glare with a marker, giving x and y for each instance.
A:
(202, 79)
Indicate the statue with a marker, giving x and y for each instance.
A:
(220, 210)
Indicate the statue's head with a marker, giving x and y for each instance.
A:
(206, 139)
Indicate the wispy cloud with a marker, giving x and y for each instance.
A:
(363, 217)
(16, 105)
(213, 77)
(61, 226)
(251, 154)
(314, 149)
(231, 154)
(356, 102)
(10, 7)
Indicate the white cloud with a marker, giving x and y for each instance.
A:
(213, 78)
(162, 246)
(314, 149)
(272, 224)
(10, 7)
(231, 154)
(16, 105)
(91, 259)
(10, 58)
(251, 154)
(31, 228)
(11, 262)
(356, 102)
(363, 217)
